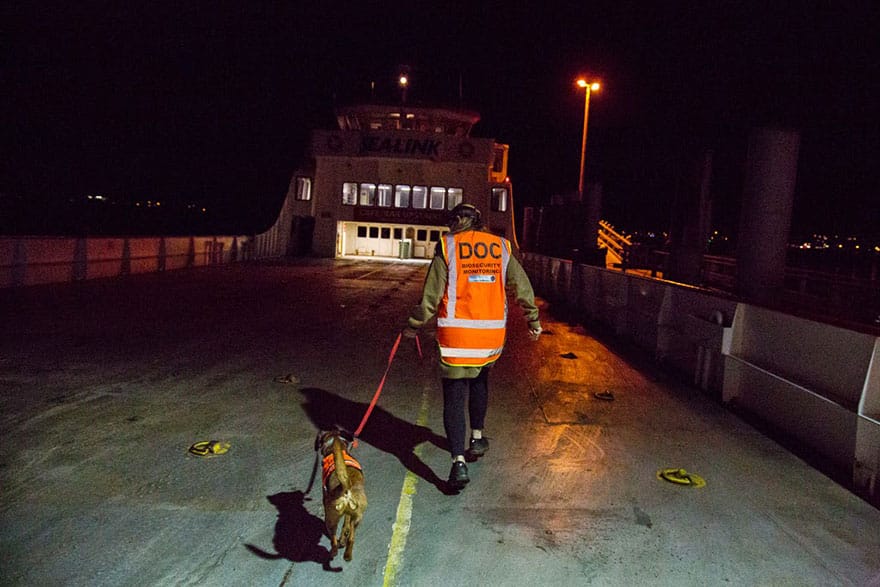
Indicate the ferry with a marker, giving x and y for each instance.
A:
(381, 184)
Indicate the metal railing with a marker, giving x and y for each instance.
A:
(821, 294)
(616, 243)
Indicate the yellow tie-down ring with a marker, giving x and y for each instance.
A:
(680, 477)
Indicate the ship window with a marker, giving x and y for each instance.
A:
(454, 198)
(499, 199)
(498, 161)
(362, 232)
(421, 235)
(368, 194)
(438, 198)
(435, 236)
(374, 232)
(420, 196)
(401, 196)
(398, 233)
(349, 193)
(386, 232)
(303, 188)
(385, 195)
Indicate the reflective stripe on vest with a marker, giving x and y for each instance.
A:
(469, 353)
(472, 317)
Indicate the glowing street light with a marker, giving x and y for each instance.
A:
(588, 88)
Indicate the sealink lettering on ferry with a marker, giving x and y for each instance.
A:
(428, 147)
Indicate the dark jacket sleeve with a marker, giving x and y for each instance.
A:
(432, 293)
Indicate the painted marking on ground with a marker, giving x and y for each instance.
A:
(400, 529)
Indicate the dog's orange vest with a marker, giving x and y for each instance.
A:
(328, 465)
(472, 315)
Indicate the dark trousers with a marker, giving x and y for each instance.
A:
(457, 392)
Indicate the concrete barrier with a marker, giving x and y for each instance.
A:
(36, 260)
(818, 383)
(815, 382)
(33, 260)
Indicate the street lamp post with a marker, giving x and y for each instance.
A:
(403, 82)
(588, 87)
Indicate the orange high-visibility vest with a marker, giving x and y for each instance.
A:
(472, 315)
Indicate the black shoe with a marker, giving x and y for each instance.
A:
(458, 475)
(478, 448)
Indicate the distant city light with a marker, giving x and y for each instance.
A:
(814, 245)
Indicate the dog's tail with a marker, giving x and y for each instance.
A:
(339, 462)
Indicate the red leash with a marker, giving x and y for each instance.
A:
(357, 432)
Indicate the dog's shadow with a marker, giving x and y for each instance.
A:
(298, 533)
(383, 430)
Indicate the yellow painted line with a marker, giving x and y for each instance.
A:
(400, 530)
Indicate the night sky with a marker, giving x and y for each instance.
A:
(213, 101)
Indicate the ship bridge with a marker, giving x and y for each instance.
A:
(401, 117)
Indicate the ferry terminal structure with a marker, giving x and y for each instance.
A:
(382, 183)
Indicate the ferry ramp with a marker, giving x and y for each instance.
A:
(104, 384)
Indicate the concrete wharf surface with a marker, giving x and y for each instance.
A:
(105, 384)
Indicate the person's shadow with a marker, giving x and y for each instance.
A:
(297, 532)
(383, 430)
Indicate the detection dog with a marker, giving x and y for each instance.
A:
(344, 495)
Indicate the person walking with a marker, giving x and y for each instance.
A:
(466, 288)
